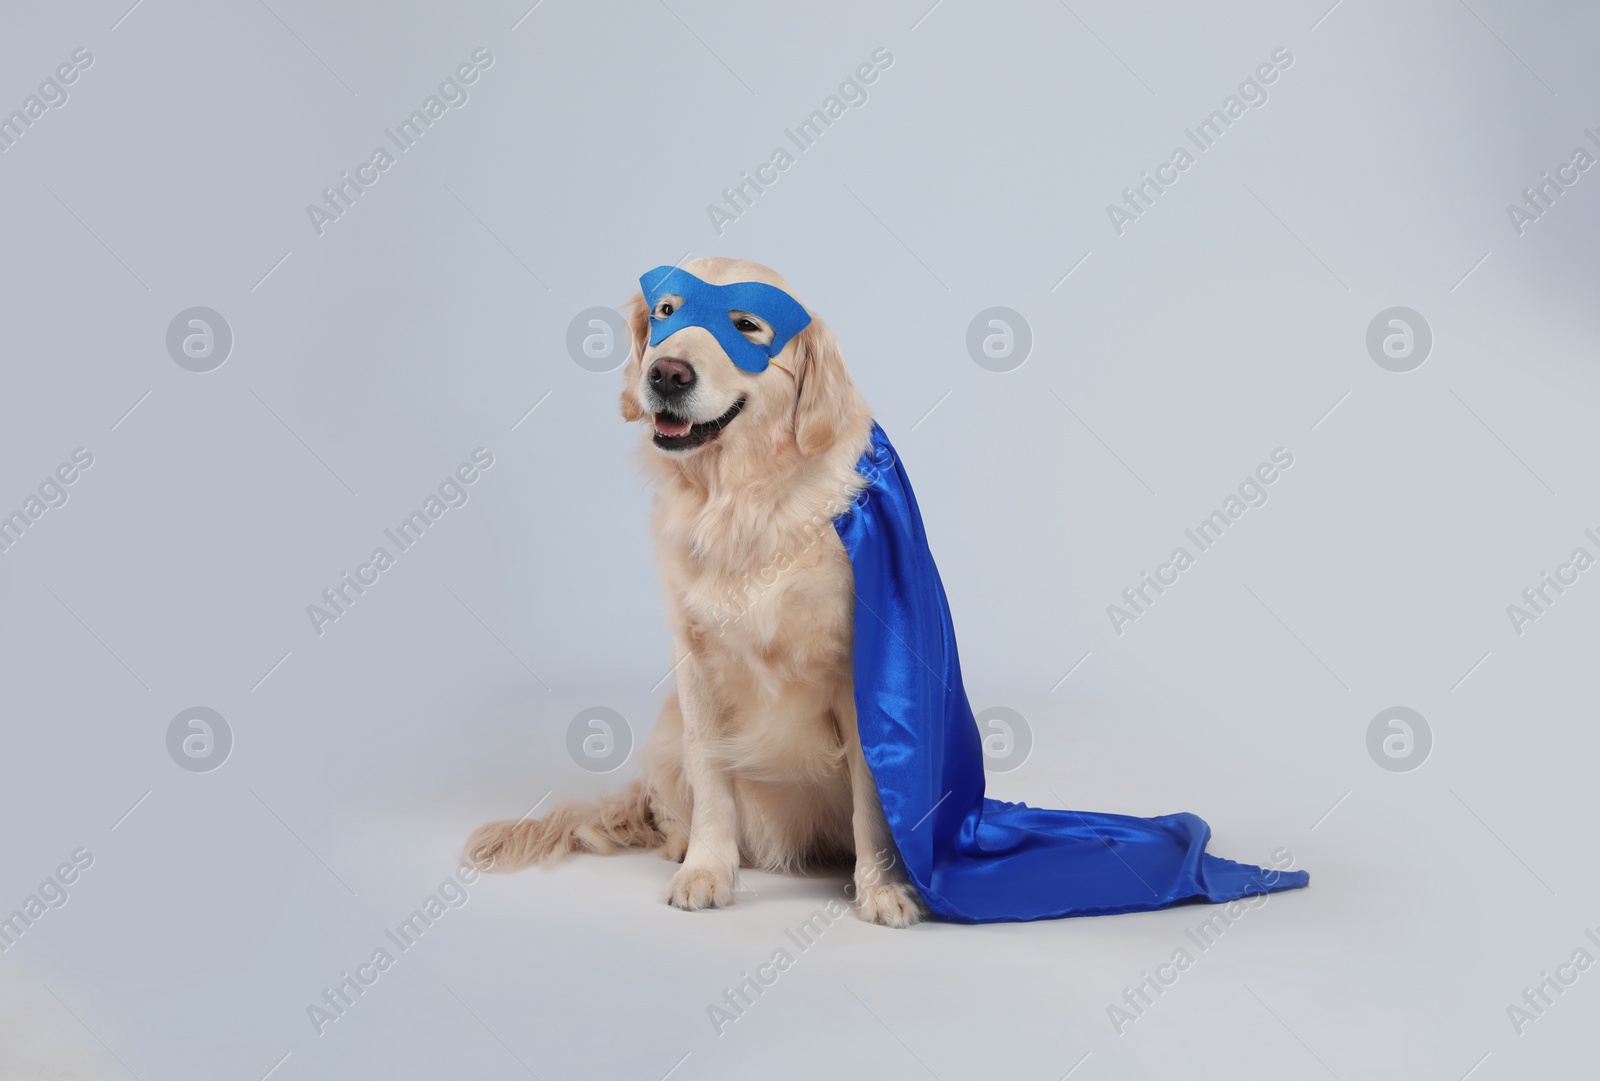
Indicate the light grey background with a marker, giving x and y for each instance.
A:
(370, 361)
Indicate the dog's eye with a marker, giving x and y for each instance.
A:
(751, 326)
(664, 309)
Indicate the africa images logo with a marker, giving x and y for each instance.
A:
(739, 198)
(338, 199)
(1252, 492)
(342, 596)
(1252, 94)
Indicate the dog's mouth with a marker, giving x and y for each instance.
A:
(676, 433)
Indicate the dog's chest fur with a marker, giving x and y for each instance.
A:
(761, 592)
(760, 574)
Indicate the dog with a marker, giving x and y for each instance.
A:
(755, 760)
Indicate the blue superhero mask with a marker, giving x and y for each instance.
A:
(706, 305)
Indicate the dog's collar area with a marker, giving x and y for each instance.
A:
(695, 435)
(710, 306)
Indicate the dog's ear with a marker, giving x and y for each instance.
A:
(822, 410)
(639, 341)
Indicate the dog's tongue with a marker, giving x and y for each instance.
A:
(671, 426)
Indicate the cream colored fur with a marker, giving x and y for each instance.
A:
(755, 759)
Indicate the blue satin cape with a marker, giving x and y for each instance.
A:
(978, 860)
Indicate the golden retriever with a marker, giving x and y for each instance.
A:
(755, 760)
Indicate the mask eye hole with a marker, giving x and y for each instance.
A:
(666, 306)
(753, 327)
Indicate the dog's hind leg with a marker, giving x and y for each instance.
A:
(670, 800)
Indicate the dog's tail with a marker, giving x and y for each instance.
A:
(615, 822)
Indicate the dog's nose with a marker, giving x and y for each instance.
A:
(670, 377)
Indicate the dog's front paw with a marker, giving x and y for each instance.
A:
(694, 888)
(892, 904)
